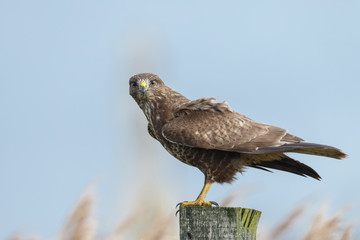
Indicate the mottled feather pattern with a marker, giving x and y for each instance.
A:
(223, 131)
(203, 104)
(217, 140)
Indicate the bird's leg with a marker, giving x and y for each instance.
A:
(200, 200)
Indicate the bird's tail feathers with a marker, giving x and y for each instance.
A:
(287, 164)
(305, 148)
(319, 150)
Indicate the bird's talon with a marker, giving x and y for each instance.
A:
(198, 203)
(180, 204)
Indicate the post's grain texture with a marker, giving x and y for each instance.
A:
(218, 223)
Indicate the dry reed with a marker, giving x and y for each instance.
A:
(81, 225)
(159, 225)
(330, 228)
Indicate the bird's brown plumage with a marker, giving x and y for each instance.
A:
(214, 138)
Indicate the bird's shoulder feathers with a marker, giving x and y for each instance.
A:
(204, 123)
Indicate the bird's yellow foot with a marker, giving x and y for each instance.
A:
(198, 203)
(200, 200)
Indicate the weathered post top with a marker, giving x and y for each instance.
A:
(218, 223)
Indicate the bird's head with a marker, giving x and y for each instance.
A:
(145, 86)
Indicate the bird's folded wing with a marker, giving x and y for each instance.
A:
(223, 130)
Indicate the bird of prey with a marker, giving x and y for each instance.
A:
(215, 139)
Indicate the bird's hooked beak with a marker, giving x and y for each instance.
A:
(143, 86)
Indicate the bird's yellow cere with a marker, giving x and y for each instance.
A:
(143, 84)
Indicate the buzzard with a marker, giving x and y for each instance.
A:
(217, 140)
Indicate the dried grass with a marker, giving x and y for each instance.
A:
(322, 227)
(19, 237)
(287, 224)
(158, 224)
(129, 222)
(147, 225)
(330, 228)
(81, 225)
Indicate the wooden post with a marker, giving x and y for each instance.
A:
(218, 223)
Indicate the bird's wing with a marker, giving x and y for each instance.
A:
(214, 126)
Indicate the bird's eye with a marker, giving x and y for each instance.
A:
(152, 82)
(133, 84)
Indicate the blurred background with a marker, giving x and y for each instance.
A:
(67, 120)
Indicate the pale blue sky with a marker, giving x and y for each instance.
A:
(67, 120)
